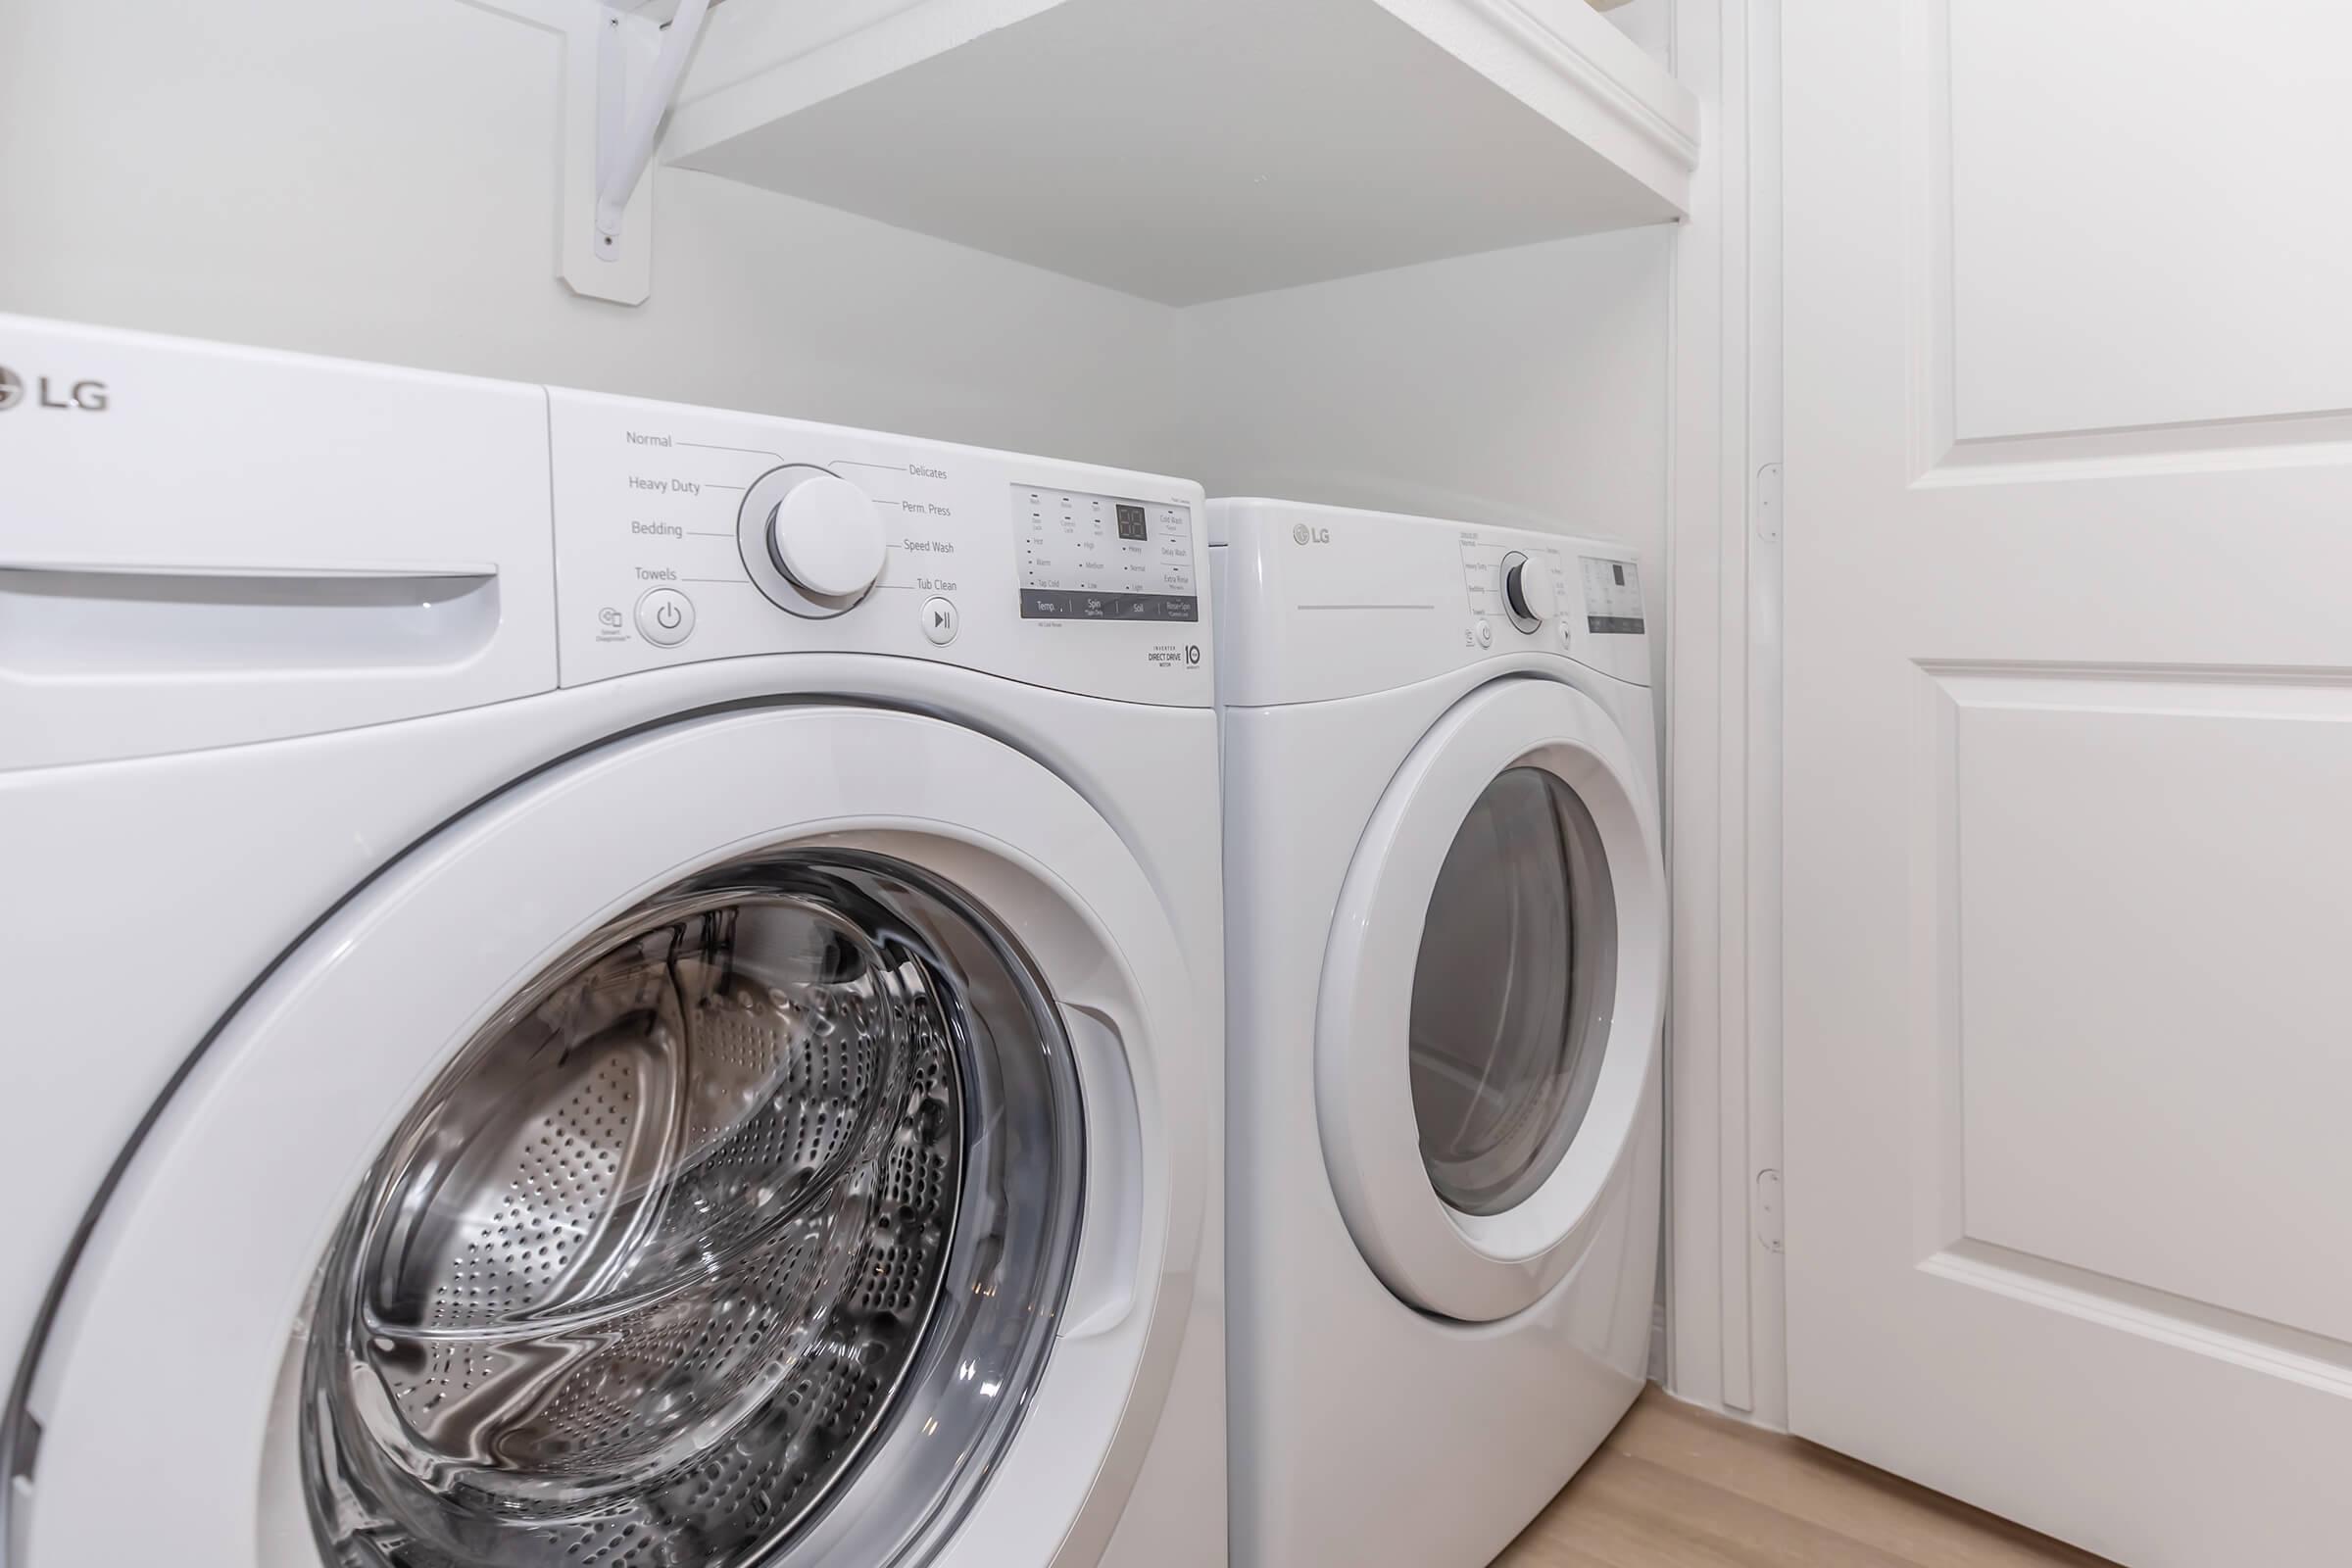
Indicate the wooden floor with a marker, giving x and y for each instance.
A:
(1676, 1487)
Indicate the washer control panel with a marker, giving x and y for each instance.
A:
(685, 534)
(1104, 557)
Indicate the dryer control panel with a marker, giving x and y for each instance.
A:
(685, 533)
(1326, 602)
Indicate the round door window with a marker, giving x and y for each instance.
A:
(677, 1240)
(1512, 991)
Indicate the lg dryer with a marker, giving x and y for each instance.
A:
(1447, 928)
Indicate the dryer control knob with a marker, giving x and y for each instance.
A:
(1527, 590)
(824, 536)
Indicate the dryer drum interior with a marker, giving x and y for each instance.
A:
(756, 1210)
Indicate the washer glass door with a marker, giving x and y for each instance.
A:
(775, 1138)
(659, 1252)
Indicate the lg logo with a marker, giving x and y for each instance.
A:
(1301, 535)
(87, 396)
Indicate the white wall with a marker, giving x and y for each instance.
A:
(377, 181)
(1525, 387)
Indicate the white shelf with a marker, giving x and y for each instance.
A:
(1192, 150)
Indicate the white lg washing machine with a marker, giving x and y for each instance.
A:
(594, 982)
(1447, 952)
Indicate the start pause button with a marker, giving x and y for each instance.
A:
(939, 620)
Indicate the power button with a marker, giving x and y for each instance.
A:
(665, 617)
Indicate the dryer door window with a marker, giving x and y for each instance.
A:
(1512, 991)
(1486, 1034)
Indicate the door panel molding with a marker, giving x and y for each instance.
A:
(2083, 1042)
(2132, 236)
(2197, 1327)
(1942, 455)
(2217, 446)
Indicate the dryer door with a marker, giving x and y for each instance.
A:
(775, 1139)
(1491, 1000)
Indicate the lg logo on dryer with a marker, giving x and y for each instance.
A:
(87, 396)
(1301, 535)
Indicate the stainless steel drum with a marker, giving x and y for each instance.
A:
(728, 1215)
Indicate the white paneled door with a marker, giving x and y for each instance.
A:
(2069, 765)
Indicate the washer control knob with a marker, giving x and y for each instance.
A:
(824, 536)
(1526, 592)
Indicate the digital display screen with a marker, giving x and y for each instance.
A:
(1087, 556)
(1612, 597)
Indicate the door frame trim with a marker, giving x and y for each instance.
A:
(1724, 1337)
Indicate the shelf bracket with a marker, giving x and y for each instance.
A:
(625, 133)
(620, 73)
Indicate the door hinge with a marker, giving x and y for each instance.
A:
(1768, 1210)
